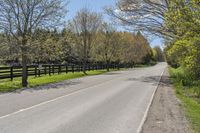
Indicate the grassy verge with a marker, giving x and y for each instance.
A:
(8, 86)
(188, 91)
(3, 66)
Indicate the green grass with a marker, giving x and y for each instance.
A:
(187, 90)
(1, 65)
(8, 86)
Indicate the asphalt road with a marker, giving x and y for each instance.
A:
(115, 102)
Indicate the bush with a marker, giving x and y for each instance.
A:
(185, 80)
(186, 53)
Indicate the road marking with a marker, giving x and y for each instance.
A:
(55, 99)
(149, 105)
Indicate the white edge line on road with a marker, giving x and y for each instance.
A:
(139, 130)
(55, 99)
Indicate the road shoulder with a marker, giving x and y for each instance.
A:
(165, 114)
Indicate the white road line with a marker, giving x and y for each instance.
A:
(49, 101)
(149, 105)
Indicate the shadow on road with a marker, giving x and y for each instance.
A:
(153, 80)
(51, 86)
(111, 73)
(58, 85)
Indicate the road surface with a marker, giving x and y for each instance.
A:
(115, 102)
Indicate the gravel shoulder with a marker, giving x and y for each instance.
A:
(166, 114)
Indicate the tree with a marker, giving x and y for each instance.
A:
(183, 19)
(19, 18)
(143, 48)
(85, 25)
(158, 54)
(107, 44)
(128, 52)
(8, 50)
(135, 48)
(142, 15)
(46, 46)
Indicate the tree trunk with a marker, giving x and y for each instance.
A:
(84, 55)
(24, 64)
(24, 71)
(84, 66)
(108, 66)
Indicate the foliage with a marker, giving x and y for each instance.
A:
(187, 91)
(135, 48)
(85, 25)
(158, 54)
(183, 19)
(62, 47)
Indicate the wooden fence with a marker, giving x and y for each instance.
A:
(39, 70)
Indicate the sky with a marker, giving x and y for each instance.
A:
(94, 5)
(97, 6)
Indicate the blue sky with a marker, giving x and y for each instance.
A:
(97, 6)
(94, 5)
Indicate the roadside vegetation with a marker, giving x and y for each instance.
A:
(182, 53)
(187, 90)
(8, 86)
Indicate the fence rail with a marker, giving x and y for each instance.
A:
(39, 70)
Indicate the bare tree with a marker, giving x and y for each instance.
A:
(142, 15)
(19, 18)
(85, 25)
(107, 44)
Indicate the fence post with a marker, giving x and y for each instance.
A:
(53, 69)
(72, 68)
(11, 73)
(27, 71)
(59, 69)
(66, 67)
(35, 71)
(49, 70)
(39, 72)
(89, 67)
(45, 70)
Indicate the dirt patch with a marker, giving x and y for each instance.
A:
(165, 114)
